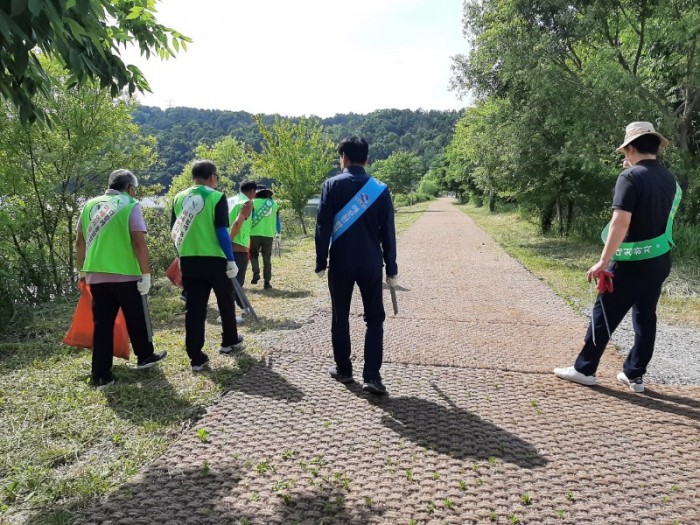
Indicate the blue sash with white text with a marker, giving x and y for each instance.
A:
(359, 204)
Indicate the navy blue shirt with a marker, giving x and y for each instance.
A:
(370, 242)
(646, 190)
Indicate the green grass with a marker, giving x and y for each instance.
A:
(63, 443)
(562, 264)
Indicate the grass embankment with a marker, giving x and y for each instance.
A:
(562, 264)
(62, 443)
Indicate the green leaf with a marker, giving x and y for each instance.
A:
(76, 28)
(135, 13)
(35, 7)
(18, 7)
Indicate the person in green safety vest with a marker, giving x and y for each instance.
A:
(240, 212)
(264, 226)
(637, 248)
(112, 257)
(200, 231)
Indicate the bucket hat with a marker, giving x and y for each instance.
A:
(634, 130)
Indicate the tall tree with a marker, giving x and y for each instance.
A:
(230, 158)
(401, 172)
(296, 155)
(85, 37)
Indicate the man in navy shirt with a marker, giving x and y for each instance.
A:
(645, 200)
(357, 256)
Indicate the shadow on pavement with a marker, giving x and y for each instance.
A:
(657, 401)
(163, 496)
(257, 379)
(452, 430)
(320, 506)
(211, 495)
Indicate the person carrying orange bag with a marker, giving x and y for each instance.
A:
(112, 257)
(81, 330)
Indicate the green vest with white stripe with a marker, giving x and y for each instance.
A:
(105, 225)
(200, 234)
(243, 236)
(264, 218)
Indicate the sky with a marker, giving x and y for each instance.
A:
(308, 57)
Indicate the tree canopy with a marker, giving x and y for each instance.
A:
(401, 172)
(47, 173)
(556, 83)
(85, 37)
(180, 130)
(298, 156)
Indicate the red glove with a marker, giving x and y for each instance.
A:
(605, 282)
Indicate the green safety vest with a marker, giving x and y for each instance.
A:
(243, 236)
(641, 250)
(193, 232)
(105, 226)
(264, 222)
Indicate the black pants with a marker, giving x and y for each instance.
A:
(241, 259)
(261, 244)
(197, 291)
(637, 285)
(107, 298)
(341, 283)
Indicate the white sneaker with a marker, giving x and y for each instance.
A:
(571, 374)
(636, 384)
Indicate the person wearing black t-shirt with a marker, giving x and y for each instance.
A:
(637, 252)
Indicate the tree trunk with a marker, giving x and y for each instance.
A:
(492, 201)
(303, 223)
(569, 215)
(560, 217)
(546, 218)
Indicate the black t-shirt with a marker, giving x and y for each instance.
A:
(646, 190)
(199, 266)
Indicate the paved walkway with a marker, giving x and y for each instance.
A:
(476, 428)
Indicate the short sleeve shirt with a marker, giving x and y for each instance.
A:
(646, 190)
(136, 224)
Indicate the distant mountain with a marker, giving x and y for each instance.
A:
(180, 130)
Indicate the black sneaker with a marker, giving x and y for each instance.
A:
(151, 360)
(201, 366)
(268, 286)
(229, 349)
(101, 383)
(255, 279)
(346, 380)
(375, 387)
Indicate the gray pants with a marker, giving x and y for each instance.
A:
(264, 245)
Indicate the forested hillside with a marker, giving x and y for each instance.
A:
(180, 130)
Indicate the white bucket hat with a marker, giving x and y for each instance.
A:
(635, 130)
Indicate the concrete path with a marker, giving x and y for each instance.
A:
(476, 428)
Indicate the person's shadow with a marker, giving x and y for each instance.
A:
(650, 399)
(143, 396)
(452, 430)
(257, 380)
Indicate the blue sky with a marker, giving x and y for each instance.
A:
(309, 57)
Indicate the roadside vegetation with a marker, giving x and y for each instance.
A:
(561, 262)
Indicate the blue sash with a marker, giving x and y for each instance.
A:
(359, 204)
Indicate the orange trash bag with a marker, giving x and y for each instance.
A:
(173, 273)
(81, 329)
